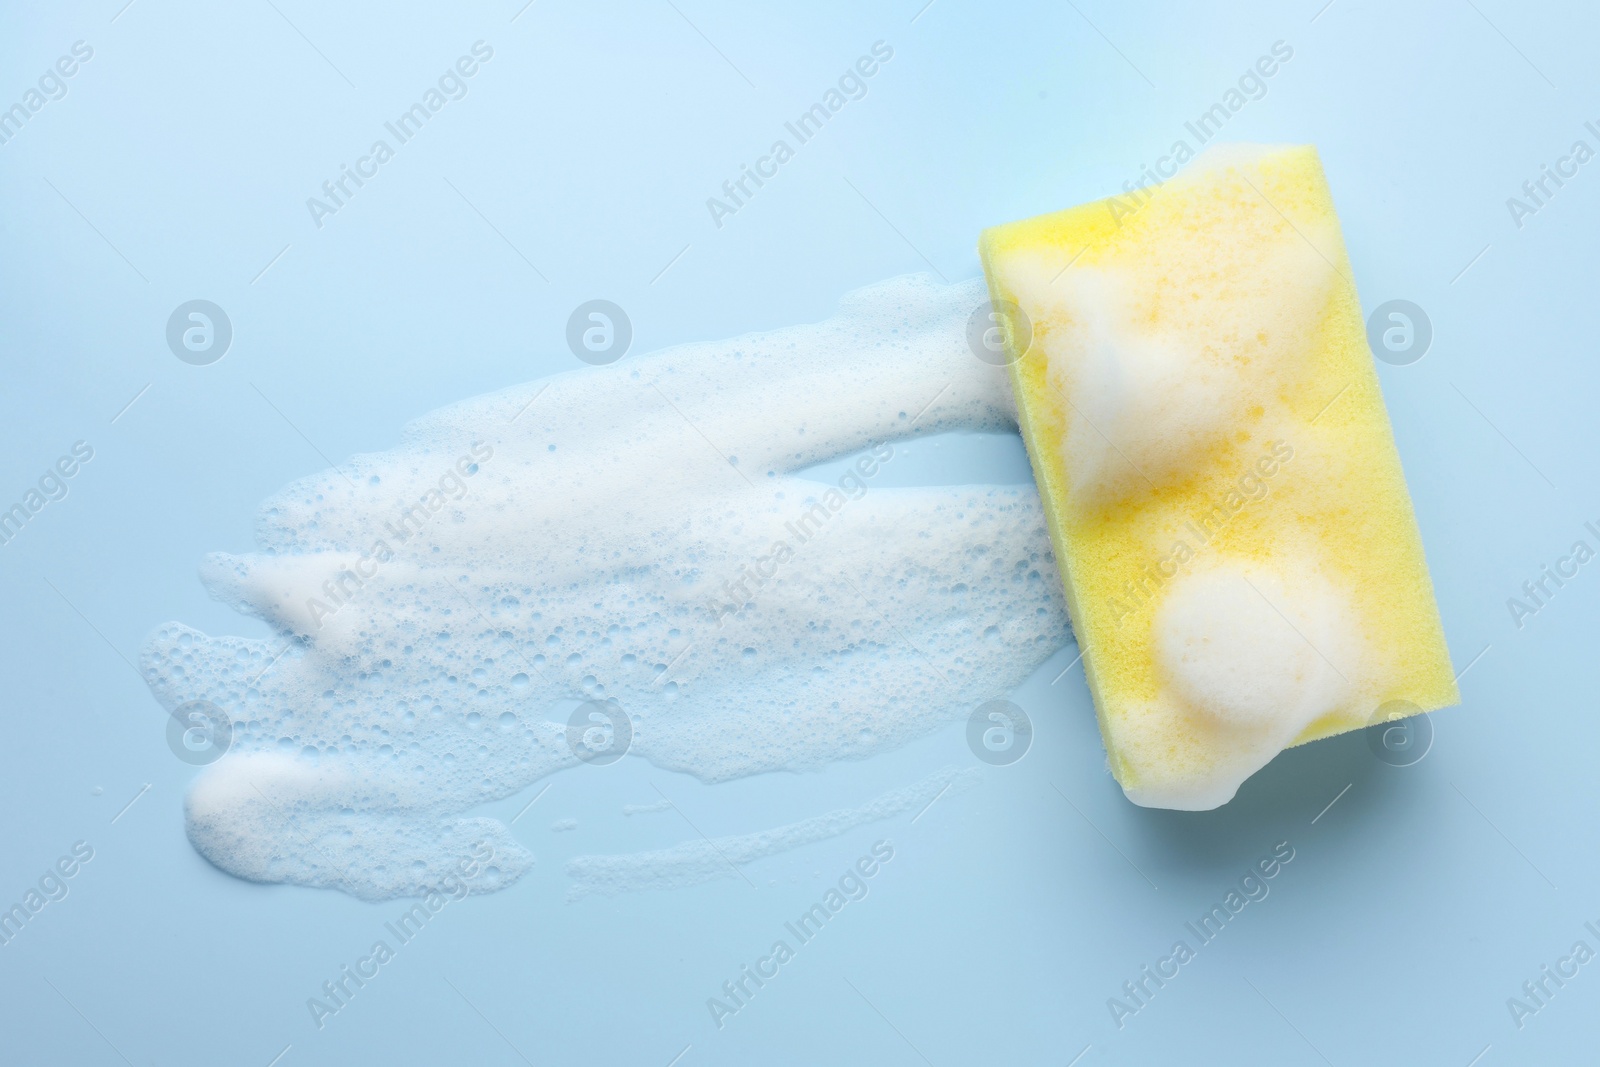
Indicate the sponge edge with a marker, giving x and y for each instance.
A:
(1238, 549)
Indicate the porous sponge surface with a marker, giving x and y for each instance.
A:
(1238, 548)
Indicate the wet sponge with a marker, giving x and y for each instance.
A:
(1241, 561)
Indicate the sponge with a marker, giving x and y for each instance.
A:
(1241, 561)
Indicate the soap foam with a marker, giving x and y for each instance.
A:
(441, 608)
(273, 817)
(1250, 654)
(1162, 356)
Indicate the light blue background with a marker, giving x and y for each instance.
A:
(178, 166)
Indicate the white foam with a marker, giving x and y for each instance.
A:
(1256, 652)
(275, 817)
(706, 859)
(1163, 356)
(442, 606)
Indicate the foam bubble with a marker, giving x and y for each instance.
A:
(635, 533)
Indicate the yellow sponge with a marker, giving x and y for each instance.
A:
(1240, 557)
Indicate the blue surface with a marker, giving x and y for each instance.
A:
(177, 166)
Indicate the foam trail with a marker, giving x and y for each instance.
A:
(646, 809)
(633, 533)
(694, 862)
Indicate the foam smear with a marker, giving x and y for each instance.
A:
(694, 862)
(632, 533)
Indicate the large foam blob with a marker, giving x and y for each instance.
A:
(1251, 652)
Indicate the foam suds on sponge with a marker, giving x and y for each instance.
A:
(1240, 556)
(1259, 652)
(1173, 351)
(633, 533)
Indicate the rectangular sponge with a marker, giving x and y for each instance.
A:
(1241, 561)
